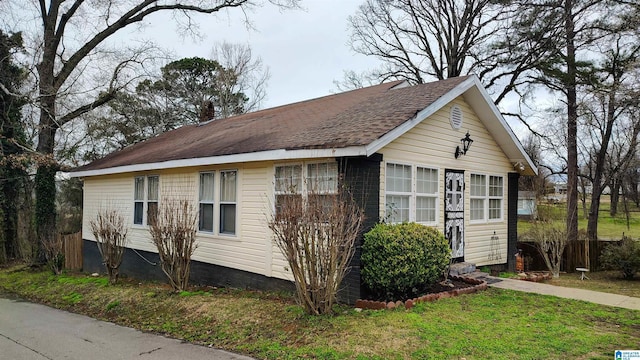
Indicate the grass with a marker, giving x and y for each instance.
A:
(609, 228)
(605, 281)
(495, 324)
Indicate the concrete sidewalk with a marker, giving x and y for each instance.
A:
(597, 297)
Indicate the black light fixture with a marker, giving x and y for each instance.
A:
(466, 144)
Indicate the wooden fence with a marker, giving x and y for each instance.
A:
(72, 247)
(574, 255)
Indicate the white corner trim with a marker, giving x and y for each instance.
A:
(421, 115)
(281, 154)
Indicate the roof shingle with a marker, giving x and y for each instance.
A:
(353, 118)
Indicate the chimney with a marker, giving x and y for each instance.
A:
(207, 112)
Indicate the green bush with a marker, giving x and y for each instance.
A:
(623, 256)
(402, 260)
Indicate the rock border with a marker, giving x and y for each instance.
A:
(478, 285)
(535, 276)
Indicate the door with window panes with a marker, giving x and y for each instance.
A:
(454, 212)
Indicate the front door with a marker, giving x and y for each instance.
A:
(454, 212)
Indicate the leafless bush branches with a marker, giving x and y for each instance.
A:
(53, 248)
(173, 231)
(110, 232)
(317, 237)
(550, 241)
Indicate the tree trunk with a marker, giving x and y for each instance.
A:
(592, 224)
(572, 126)
(614, 187)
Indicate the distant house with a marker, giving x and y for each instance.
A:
(527, 204)
(394, 142)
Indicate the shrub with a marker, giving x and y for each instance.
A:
(173, 232)
(623, 256)
(550, 240)
(401, 260)
(110, 232)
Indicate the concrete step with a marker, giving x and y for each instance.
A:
(462, 268)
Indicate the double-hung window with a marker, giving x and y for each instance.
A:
(411, 193)
(228, 180)
(145, 197)
(320, 184)
(398, 191)
(288, 185)
(486, 194)
(206, 201)
(225, 197)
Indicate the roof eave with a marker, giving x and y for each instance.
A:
(271, 155)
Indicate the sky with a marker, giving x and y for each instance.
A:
(305, 50)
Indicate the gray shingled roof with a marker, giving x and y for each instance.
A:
(353, 118)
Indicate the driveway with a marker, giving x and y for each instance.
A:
(31, 331)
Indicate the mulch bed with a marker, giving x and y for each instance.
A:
(461, 285)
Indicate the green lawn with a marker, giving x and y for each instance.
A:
(608, 228)
(494, 324)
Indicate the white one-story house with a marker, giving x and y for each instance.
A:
(402, 146)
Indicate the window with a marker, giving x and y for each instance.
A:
(321, 183)
(288, 184)
(206, 201)
(478, 193)
(486, 197)
(411, 193)
(398, 186)
(228, 202)
(138, 200)
(145, 197)
(426, 194)
(495, 197)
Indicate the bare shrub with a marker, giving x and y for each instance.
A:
(317, 236)
(53, 248)
(173, 232)
(110, 232)
(550, 241)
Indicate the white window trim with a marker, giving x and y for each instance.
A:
(217, 184)
(220, 203)
(486, 199)
(145, 199)
(212, 202)
(413, 194)
(305, 175)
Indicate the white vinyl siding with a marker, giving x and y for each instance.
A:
(432, 142)
(411, 193)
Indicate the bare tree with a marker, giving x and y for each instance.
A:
(437, 39)
(173, 232)
(317, 238)
(110, 232)
(247, 75)
(69, 36)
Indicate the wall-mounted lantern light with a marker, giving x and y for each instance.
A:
(466, 144)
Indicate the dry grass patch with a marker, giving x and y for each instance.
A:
(605, 281)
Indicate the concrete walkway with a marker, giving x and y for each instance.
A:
(597, 297)
(37, 332)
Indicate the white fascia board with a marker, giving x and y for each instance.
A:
(280, 154)
(387, 138)
(496, 112)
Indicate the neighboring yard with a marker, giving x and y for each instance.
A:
(606, 281)
(608, 228)
(494, 324)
